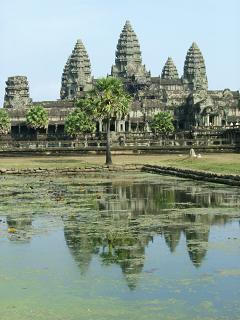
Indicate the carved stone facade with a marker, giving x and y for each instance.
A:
(17, 93)
(128, 62)
(76, 77)
(169, 71)
(194, 69)
(187, 98)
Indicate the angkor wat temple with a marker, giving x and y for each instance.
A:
(187, 97)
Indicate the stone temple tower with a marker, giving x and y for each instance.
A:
(76, 77)
(17, 93)
(128, 61)
(169, 70)
(194, 69)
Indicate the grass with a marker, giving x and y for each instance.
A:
(219, 163)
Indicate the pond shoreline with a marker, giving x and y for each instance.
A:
(68, 170)
(229, 179)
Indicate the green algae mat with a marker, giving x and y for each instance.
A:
(118, 246)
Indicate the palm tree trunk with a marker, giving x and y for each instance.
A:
(108, 146)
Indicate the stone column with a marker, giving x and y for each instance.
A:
(147, 127)
(123, 125)
(129, 125)
(207, 120)
(214, 121)
(100, 125)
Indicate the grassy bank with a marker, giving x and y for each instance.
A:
(219, 163)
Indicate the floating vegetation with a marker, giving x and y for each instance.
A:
(97, 241)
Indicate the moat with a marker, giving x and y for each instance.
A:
(118, 246)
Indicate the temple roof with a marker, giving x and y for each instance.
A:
(169, 70)
(128, 48)
(79, 60)
(66, 70)
(128, 61)
(194, 67)
(76, 75)
(17, 92)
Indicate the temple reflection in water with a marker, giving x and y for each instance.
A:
(129, 216)
(116, 218)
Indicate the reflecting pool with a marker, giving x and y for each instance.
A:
(118, 246)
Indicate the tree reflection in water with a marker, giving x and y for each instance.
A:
(128, 216)
(116, 217)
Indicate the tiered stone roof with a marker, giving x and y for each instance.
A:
(194, 69)
(169, 70)
(128, 48)
(17, 93)
(128, 60)
(64, 91)
(76, 75)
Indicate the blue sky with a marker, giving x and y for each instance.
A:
(38, 36)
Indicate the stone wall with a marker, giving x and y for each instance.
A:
(71, 171)
(178, 142)
(233, 180)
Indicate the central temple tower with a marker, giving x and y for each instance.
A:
(76, 77)
(128, 61)
(194, 69)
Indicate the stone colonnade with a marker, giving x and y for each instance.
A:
(125, 126)
(211, 120)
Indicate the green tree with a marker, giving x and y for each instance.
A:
(79, 121)
(37, 117)
(109, 100)
(5, 122)
(162, 123)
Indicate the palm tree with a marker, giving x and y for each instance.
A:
(110, 101)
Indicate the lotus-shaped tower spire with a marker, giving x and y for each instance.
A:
(169, 70)
(17, 93)
(128, 61)
(194, 69)
(76, 75)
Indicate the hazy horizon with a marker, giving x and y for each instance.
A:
(37, 38)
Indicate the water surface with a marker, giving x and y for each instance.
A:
(119, 246)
